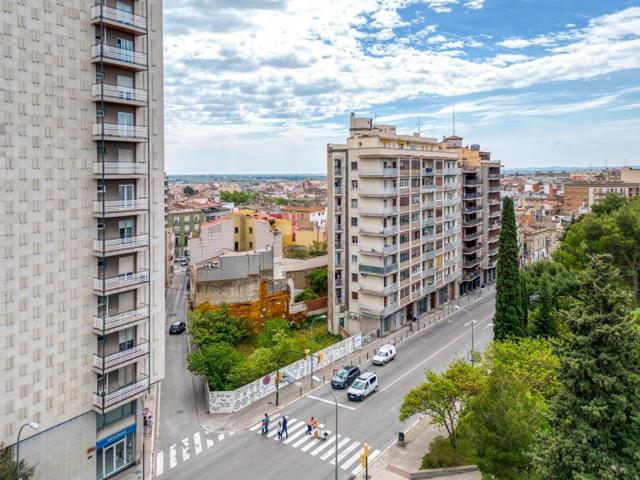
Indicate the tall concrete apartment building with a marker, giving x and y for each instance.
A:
(394, 228)
(82, 240)
(481, 213)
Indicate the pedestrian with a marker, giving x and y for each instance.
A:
(279, 429)
(310, 424)
(284, 431)
(150, 423)
(145, 422)
(265, 425)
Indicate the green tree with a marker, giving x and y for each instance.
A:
(306, 294)
(214, 326)
(318, 278)
(544, 322)
(188, 191)
(215, 361)
(609, 204)
(8, 465)
(318, 248)
(444, 396)
(594, 422)
(508, 319)
(267, 338)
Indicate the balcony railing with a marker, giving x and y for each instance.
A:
(494, 189)
(470, 262)
(427, 222)
(428, 272)
(100, 168)
(450, 186)
(337, 172)
(428, 255)
(472, 196)
(379, 290)
(470, 222)
(117, 92)
(429, 187)
(337, 227)
(451, 171)
(117, 244)
(495, 213)
(378, 172)
(378, 211)
(378, 192)
(119, 54)
(119, 320)
(451, 246)
(106, 400)
(119, 358)
(472, 249)
(338, 282)
(117, 206)
(494, 201)
(121, 281)
(450, 201)
(118, 16)
(120, 130)
(471, 182)
(378, 270)
(474, 209)
(338, 245)
(493, 176)
(472, 235)
(384, 311)
(427, 171)
(390, 230)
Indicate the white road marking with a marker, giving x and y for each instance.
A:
(302, 431)
(185, 449)
(341, 444)
(292, 421)
(173, 461)
(209, 443)
(489, 325)
(306, 438)
(220, 437)
(159, 463)
(345, 452)
(351, 460)
(331, 402)
(197, 444)
(310, 444)
(327, 443)
(372, 457)
(255, 428)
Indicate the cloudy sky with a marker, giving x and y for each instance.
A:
(261, 86)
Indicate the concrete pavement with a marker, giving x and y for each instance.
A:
(245, 454)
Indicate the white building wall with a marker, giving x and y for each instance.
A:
(213, 239)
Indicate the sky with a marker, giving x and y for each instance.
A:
(261, 86)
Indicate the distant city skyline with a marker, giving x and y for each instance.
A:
(263, 86)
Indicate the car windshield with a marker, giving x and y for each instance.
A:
(358, 384)
(341, 374)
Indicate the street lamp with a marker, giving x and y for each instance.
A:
(34, 426)
(335, 399)
(324, 317)
(458, 307)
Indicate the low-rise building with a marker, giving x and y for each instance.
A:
(537, 240)
(183, 220)
(579, 197)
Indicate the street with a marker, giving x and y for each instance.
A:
(186, 451)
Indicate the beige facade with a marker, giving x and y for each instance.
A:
(394, 228)
(579, 197)
(82, 255)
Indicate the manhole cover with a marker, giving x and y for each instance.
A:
(179, 412)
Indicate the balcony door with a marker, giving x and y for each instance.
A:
(126, 338)
(125, 228)
(125, 124)
(126, 193)
(125, 87)
(125, 49)
(125, 11)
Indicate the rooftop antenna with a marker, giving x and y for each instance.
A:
(454, 118)
(419, 131)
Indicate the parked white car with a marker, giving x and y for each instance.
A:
(364, 385)
(384, 355)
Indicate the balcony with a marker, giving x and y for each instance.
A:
(119, 359)
(450, 262)
(378, 211)
(429, 204)
(451, 246)
(471, 182)
(451, 171)
(378, 172)
(471, 262)
(386, 250)
(428, 272)
(494, 225)
(450, 231)
(119, 94)
(450, 201)
(338, 282)
(374, 270)
(379, 232)
(114, 208)
(383, 311)
(472, 249)
(471, 222)
(378, 192)
(120, 57)
(469, 276)
(493, 176)
(428, 237)
(382, 290)
(494, 201)
(118, 18)
(492, 251)
(338, 245)
(450, 187)
(494, 189)
(429, 187)
(125, 281)
(120, 132)
(119, 170)
(337, 227)
(337, 172)
(450, 278)
(472, 196)
(428, 255)
(473, 209)
(428, 171)
(117, 246)
(472, 235)
(337, 208)
(103, 325)
(452, 216)
(427, 222)
(495, 213)
(127, 393)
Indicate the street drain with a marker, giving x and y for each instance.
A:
(179, 412)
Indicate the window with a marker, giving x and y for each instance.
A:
(404, 182)
(354, 240)
(101, 150)
(416, 234)
(404, 274)
(196, 219)
(250, 245)
(404, 201)
(354, 221)
(404, 219)
(176, 221)
(250, 230)
(415, 217)
(404, 256)
(354, 277)
(404, 238)
(354, 203)
(404, 292)
(415, 269)
(415, 199)
(354, 165)
(186, 220)
(354, 184)
(354, 295)
(354, 258)
(236, 231)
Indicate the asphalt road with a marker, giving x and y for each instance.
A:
(248, 455)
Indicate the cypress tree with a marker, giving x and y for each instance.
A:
(544, 324)
(595, 419)
(508, 320)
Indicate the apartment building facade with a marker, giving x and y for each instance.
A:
(394, 228)
(82, 303)
(579, 197)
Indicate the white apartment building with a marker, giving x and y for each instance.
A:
(82, 242)
(394, 228)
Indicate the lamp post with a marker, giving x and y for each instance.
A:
(34, 426)
(324, 317)
(458, 307)
(335, 399)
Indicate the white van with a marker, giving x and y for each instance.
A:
(364, 385)
(384, 355)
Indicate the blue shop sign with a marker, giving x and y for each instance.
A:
(115, 437)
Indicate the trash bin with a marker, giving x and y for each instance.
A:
(401, 439)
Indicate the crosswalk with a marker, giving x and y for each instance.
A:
(349, 450)
(188, 448)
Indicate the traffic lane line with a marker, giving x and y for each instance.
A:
(330, 402)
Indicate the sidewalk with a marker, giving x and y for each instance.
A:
(251, 415)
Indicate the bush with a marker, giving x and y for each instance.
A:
(217, 326)
(215, 361)
(306, 294)
(266, 338)
(318, 279)
(442, 455)
(261, 362)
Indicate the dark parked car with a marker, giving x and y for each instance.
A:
(345, 377)
(177, 327)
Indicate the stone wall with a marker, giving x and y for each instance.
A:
(230, 402)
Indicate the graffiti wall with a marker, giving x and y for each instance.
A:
(229, 402)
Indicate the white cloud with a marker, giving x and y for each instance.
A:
(474, 4)
(441, 6)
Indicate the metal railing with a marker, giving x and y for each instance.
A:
(378, 172)
(119, 54)
(472, 235)
(120, 319)
(120, 168)
(115, 244)
(119, 16)
(450, 186)
(120, 130)
(378, 212)
(472, 249)
(121, 281)
(378, 270)
(428, 255)
(451, 201)
(474, 209)
(118, 92)
(378, 192)
(428, 272)
(430, 187)
(115, 206)
(118, 358)
(451, 171)
(379, 290)
(106, 400)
